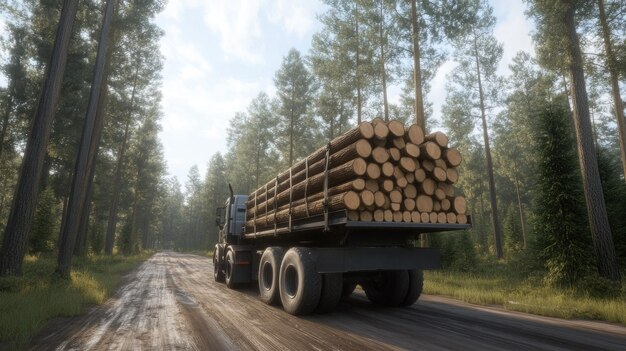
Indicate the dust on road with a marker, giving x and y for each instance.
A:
(172, 303)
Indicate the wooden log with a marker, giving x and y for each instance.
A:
(396, 128)
(395, 154)
(398, 143)
(411, 150)
(359, 149)
(407, 164)
(415, 217)
(410, 191)
(345, 172)
(450, 218)
(379, 199)
(447, 188)
(395, 196)
(387, 169)
(420, 175)
(367, 197)
(371, 185)
(379, 215)
(452, 175)
(436, 205)
(365, 130)
(353, 215)
(428, 165)
(438, 137)
(409, 204)
(459, 205)
(424, 217)
(427, 187)
(398, 173)
(395, 206)
(441, 217)
(439, 174)
(410, 177)
(397, 216)
(430, 150)
(355, 185)
(402, 182)
(366, 216)
(380, 155)
(441, 164)
(349, 200)
(452, 157)
(380, 130)
(445, 205)
(461, 219)
(406, 216)
(387, 185)
(388, 215)
(440, 194)
(424, 203)
(373, 171)
(414, 134)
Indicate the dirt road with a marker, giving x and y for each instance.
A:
(171, 303)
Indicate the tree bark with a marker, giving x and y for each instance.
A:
(358, 65)
(497, 231)
(20, 219)
(83, 162)
(420, 119)
(617, 97)
(520, 206)
(594, 198)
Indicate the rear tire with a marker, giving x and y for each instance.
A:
(300, 284)
(332, 285)
(230, 269)
(390, 289)
(416, 284)
(269, 271)
(218, 273)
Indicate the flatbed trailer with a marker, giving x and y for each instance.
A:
(309, 264)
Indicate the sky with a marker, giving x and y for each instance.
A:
(220, 54)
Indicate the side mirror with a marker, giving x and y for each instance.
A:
(219, 216)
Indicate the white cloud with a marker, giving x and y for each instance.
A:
(294, 15)
(513, 31)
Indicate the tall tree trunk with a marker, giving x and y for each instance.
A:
(83, 161)
(357, 69)
(520, 206)
(497, 231)
(594, 198)
(20, 221)
(80, 249)
(420, 119)
(617, 97)
(383, 71)
(117, 179)
(291, 123)
(5, 124)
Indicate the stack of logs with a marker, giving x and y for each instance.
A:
(378, 171)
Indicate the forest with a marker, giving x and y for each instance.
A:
(544, 148)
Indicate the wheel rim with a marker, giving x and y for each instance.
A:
(267, 276)
(291, 281)
(229, 267)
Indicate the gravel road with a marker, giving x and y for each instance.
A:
(172, 303)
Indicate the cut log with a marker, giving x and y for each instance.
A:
(438, 137)
(440, 194)
(379, 199)
(445, 205)
(436, 206)
(407, 164)
(428, 165)
(410, 177)
(356, 185)
(395, 196)
(427, 187)
(402, 182)
(452, 157)
(430, 150)
(414, 134)
(371, 185)
(424, 203)
(439, 174)
(450, 218)
(367, 197)
(452, 175)
(432, 217)
(411, 150)
(395, 206)
(441, 217)
(406, 216)
(366, 216)
(396, 128)
(424, 217)
(410, 191)
(397, 216)
(394, 154)
(388, 216)
(353, 215)
(387, 185)
(398, 143)
(420, 175)
(387, 169)
(380, 131)
(373, 171)
(409, 204)
(379, 215)
(380, 155)
(459, 205)
(415, 217)
(441, 164)
(398, 173)
(447, 188)
(461, 219)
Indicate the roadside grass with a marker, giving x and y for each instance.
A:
(29, 301)
(506, 289)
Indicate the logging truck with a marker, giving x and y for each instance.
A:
(349, 214)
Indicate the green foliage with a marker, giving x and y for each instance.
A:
(46, 223)
(614, 194)
(457, 250)
(562, 237)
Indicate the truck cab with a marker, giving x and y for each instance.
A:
(231, 219)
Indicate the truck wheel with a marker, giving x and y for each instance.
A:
(300, 284)
(389, 290)
(230, 269)
(348, 289)
(332, 284)
(416, 283)
(269, 270)
(218, 273)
